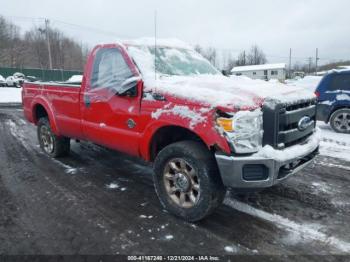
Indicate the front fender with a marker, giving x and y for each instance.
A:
(205, 130)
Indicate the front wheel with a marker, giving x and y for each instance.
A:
(187, 180)
(340, 121)
(50, 143)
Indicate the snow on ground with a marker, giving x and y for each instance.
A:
(10, 95)
(308, 82)
(333, 144)
(231, 249)
(17, 132)
(75, 79)
(304, 232)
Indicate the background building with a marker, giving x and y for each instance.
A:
(264, 72)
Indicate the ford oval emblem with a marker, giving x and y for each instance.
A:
(304, 123)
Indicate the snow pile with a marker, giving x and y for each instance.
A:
(308, 82)
(75, 79)
(199, 81)
(10, 95)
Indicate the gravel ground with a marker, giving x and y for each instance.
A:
(97, 201)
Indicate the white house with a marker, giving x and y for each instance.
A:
(264, 72)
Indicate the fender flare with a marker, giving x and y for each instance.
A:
(39, 100)
(209, 139)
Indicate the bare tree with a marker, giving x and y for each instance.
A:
(241, 59)
(30, 50)
(256, 56)
(228, 62)
(209, 53)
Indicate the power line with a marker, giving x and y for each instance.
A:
(109, 33)
(89, 28)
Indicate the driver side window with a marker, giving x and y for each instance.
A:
(109, 70)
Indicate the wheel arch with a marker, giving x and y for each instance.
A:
(169, 134)
(41, 109)
(336, 108)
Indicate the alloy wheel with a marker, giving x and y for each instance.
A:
(181, 183)
(46, 139)
(342, 122)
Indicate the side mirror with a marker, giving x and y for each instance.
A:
(129, 87)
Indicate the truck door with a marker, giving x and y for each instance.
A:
(111, 119)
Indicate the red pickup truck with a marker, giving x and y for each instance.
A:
(203, 132)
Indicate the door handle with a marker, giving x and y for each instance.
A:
(87, 101)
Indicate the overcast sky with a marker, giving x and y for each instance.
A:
(274, 25)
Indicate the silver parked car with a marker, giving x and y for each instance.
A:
(16, 80)
(2, 81)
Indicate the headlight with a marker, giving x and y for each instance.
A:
(244, 130)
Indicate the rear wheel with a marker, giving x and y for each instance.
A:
(340, 121)
(187, 180)
(50, 143)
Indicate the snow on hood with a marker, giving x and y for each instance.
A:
(217, 90)
(214, 89)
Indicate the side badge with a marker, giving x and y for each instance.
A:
(131, 123)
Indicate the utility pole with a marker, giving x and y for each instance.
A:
(48, 41)
(316, 61)
(310, 61)
(290, 63)
(244, 58)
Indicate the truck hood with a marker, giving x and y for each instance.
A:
(235, 92)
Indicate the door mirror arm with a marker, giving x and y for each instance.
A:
(129, 87)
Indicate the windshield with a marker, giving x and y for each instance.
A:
(171, 61)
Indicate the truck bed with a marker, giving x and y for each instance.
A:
(62, 99)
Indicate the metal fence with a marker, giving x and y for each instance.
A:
(42, 74)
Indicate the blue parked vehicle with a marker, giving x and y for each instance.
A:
(333, 94)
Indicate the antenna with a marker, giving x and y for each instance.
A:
(155, 44)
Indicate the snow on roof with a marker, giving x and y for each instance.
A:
(150, 41)
(258, 67)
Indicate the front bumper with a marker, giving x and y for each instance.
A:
(260, 172)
